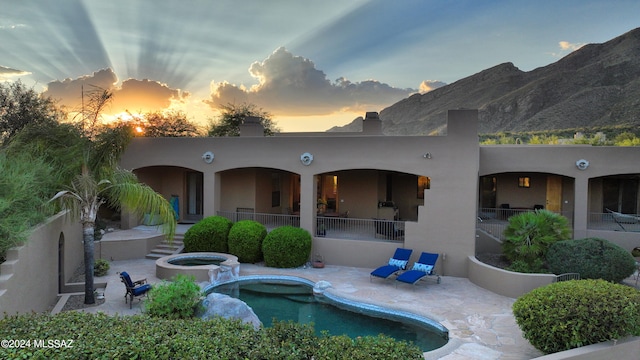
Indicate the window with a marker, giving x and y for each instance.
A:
(424, 183)
(524, 182)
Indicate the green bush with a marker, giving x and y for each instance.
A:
(100, 267)
(245, 240)
(575, 313)
(286, 247)
(529, 235)
(99, 336)
(592, 258)
(177, 299)
(208, 235)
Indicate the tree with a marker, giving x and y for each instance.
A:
(170, 124)
(233, 116)
(20, 106)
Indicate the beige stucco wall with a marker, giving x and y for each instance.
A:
(446, 225)
(29, 276)
(561, 160)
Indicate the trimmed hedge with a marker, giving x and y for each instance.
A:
(99, 336)
(570, 314)
(208, 235)
(592, 258)
(286, 247)
(245, 240)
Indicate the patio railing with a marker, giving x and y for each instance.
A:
(608, 221)
(494, 220)
(329, 226)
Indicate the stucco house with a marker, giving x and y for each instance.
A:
(363, 194)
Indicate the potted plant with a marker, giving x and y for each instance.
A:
(321, 205)
(318, 262)
(321, 230)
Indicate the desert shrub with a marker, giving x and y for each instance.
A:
(286, 247)
(177, 299)
(245, 240)
(529, 235)
(592, 258)
(100, 267)
(575, 313)
(100, 336)
(208, 235)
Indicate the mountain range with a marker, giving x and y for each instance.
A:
(596, 85)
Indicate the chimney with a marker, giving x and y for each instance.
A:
(251, 126)
(372, 125)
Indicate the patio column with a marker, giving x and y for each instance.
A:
(307, 201)
(581, 207)
(210, 193)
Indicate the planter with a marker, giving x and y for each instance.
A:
(317, 264)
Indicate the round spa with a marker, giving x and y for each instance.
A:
(205, 266)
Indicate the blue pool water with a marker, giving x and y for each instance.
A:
(291, 300)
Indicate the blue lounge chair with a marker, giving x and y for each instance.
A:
(396, 263)
(422, 268)
(135, 289)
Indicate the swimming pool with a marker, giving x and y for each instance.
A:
(292, 298)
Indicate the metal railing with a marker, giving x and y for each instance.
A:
(270, 221)
(613, 222)
(329, 226)
(494, 220)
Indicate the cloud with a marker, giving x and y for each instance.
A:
(428, 85)
(7, 73)
(144, 96)
(291, 85)
(565, 45)
(133, 95)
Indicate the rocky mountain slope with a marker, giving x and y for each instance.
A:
(599, 84)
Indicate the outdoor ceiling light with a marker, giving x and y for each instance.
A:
(427, 155)
(208, 157)
(306, 159)
(582, 164)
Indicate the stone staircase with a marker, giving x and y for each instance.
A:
(164, 248)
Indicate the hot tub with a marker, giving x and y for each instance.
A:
(205, 266)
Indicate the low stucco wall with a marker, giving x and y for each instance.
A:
(624, 349)
(356, 253)
(127, 244)
(503, 282)
(29, 277)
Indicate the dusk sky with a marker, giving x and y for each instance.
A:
(311, 64)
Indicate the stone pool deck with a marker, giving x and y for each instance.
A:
(481, 325)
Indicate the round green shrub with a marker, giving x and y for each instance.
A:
(592, 258)
(286, 247)
(529, 235)
(208, 235)
(101, 267)
(178, 299)
(570, 314)
(245, 240)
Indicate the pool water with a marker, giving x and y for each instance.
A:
(197, 261)
(296, 302)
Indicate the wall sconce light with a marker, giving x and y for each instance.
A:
(306, 159)
(208, 157)
(582, 164)
(427, 155)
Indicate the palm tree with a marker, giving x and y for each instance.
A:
(86, 157)
(101, 181)
(119, 188)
